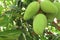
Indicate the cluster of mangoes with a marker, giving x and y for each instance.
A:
(42, 12)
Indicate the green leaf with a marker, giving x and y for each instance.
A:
(10, 35)
(1, 8)
(4, 20)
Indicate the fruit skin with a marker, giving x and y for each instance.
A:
(39, 23)
(50, 17)
(31, 10)
(58, 6)
(48, 7)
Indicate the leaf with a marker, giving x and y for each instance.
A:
(21, 37)
(10, 34)
(1, 8)
(4, 20)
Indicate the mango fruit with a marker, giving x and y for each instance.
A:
(48, 7)
(39, 23)
(58, 6)
(31, 10)
(50, 17)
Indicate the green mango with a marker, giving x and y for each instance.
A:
(48, 7)
(50, 17)
(31, 10)
(58, 6)
(39, 23)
